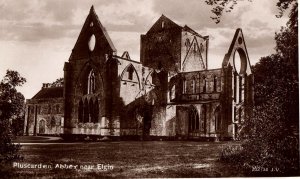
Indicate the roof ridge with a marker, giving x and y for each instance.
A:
(92, 14)
(51, 92)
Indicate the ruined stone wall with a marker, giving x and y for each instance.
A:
(195, 86)
(206, 114)
(193, 51)
(130, 74)
(44, 117)
(76, 91)
(93, 52)
(169, 125)
(158, 120)
(160, 46)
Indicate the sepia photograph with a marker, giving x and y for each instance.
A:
(149, 89)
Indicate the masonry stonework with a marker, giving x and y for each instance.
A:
(44, 112)
(170, 94)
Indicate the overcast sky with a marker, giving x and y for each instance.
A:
(36, 37)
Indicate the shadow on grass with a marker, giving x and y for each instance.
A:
(129, 159)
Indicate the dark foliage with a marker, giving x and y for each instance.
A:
(221, 6)
(11, 111)
(17, 125)
(57, 82)
(287, 41)
(270, 138)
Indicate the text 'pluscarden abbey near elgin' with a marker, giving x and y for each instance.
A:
(169, 94)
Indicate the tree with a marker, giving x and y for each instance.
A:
(11, 108)
(57, 82)
(270, 138)
(219, 6)
(287, 40)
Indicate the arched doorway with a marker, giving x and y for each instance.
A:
(42, 127)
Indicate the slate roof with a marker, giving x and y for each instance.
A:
(52, 92)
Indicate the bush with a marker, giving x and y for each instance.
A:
(268, 147)
(231, 153)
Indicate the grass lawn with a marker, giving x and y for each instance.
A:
(129, 159)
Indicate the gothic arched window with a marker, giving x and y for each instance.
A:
(172, 92)
(218, 119)
(203, 118)
(195, 47)
(193, 119)
(130, 71)
(241, 88)
(187, 44)
(184, 86)
(91, 111)
(201, 48)
(91, 82)
(86, 111)
(194, 85)
(204, 84)
(80, 111)
(215, 83)
(42, 127)
(96, 111)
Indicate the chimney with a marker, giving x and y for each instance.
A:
(46, 85)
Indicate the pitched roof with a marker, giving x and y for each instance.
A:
(52, 92)
(238, 44)
(93, 13)
(94, 17)
(172, 24)
(187, 28)
(157, 25)
(126, 55)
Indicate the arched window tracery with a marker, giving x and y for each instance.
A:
(193, 119)
(204, 84)
(91, 82)
(215, 83)
(96, 111)
(194, 85)
(218, 119)
(80, 111)
(203, 118)
(184, 86)
(88, 110)
(130, 71)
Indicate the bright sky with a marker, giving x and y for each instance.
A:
(37, 37)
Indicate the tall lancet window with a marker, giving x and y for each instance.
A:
(130, 71)
(187, 44)
(184, 86)
(215, 83)
(91, 82)
(194, 85)
(204, 84)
